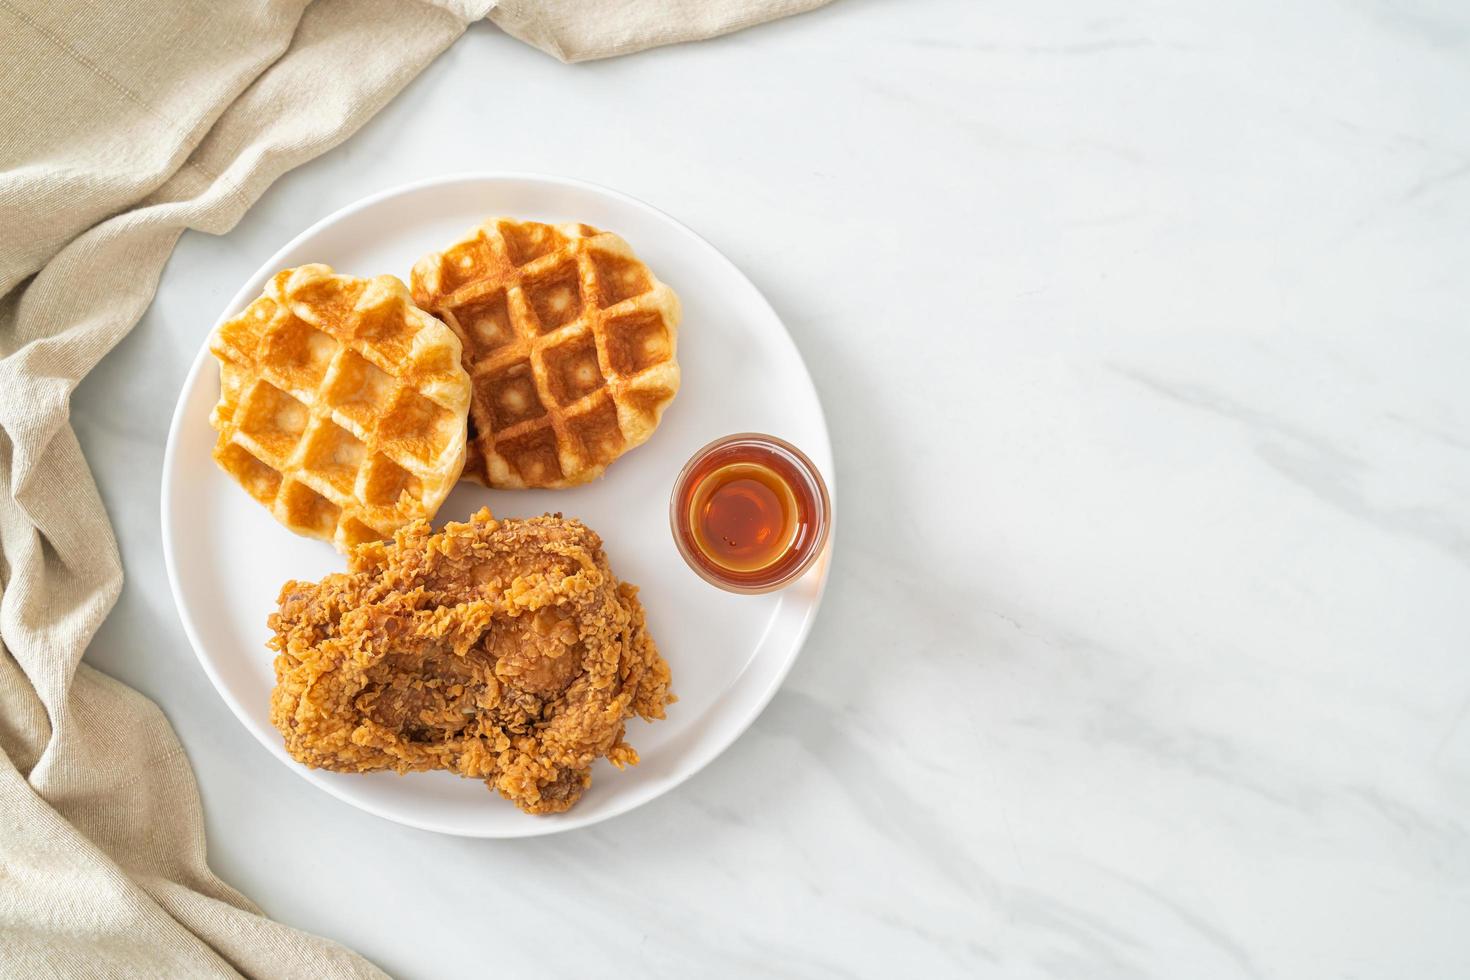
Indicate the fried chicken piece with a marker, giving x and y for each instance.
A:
(499, 650)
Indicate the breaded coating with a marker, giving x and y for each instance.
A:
(499, 650)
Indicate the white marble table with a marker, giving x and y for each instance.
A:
(1142, 336)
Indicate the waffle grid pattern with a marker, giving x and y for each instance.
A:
(342, 406)
(570, 343)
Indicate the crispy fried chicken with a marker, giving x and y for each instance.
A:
(499, 650)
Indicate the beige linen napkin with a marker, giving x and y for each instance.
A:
(580, 30)
(122, 124)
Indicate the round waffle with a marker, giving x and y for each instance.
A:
(570, 343)
(342, 405)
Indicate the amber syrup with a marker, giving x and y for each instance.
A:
(750, 513)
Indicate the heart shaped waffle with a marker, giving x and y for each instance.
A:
(570, 342)
(342, 405)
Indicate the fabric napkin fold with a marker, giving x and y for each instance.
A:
(580, 30)
(123, 124)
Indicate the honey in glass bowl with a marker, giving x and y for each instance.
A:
(750, 513)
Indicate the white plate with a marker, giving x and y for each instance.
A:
(227, 558)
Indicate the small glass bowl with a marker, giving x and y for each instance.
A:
(813, 519)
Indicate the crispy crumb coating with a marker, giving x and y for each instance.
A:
(499, 650)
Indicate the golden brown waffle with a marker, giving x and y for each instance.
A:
(342, 405)
(570, 342)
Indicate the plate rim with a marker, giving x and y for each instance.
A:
(717, 746)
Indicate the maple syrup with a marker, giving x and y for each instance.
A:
(750, 513)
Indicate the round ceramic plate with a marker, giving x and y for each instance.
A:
(227, 557)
